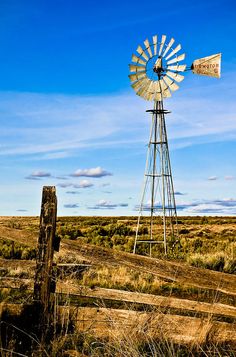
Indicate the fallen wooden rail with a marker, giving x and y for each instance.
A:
(129, 297)
(120, 324)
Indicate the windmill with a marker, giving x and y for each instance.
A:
(155, 72)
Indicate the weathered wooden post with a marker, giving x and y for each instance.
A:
(44, 283)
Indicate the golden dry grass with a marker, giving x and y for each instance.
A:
(203, 244)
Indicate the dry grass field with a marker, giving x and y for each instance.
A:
(114, 303)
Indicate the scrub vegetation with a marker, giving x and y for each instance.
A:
(90, 315)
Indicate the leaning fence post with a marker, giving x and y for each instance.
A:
(44, 284)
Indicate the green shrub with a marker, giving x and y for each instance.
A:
(13, 250)
(14, 225)
(143, 230)
(218, 261)
(120, 229)
(118, 240)
(184, 231)
(230, 266)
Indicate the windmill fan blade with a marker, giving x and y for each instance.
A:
(177, 49)
(171, 84)
(154, 87)
(173, 87)
(157, 87)
(163, 39)
(150, 86)
(137, 76)
(164, 89)
(178, 68)
(154, 38)
(177, 59)
(208, 66)
(157, 97)
(147, 44)
(163, 85)
(168, 81)
(138, 60)
(142, 53)
(146, 94)
(149, 96)
(166, 93)
(134, 68)
(139, 84)
(136, 85)
(168, 47)
(175, 76)
(142, 90)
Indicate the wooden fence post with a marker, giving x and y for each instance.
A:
(44, 261)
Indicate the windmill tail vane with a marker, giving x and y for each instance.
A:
(155, 73)
(208, 66)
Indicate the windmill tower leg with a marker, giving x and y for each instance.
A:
(158, 200)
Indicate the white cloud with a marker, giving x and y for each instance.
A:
(96, 172)
(55, 126)
(178, 193)
(104, 204)
(83, 184)
(54, 155)
(229, 178)
(71, 205)
(208, 208)
(72, 192)
(212, 178)
(36, 175)
(225, 206)
(64, 184)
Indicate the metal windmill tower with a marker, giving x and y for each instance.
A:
(155, 72)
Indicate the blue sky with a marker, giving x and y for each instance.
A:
(69, 117)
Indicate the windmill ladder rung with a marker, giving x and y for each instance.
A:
(160, 208)
(158, 142)
(157, 175)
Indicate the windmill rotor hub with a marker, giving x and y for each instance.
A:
(158, 70)
(158, 66)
